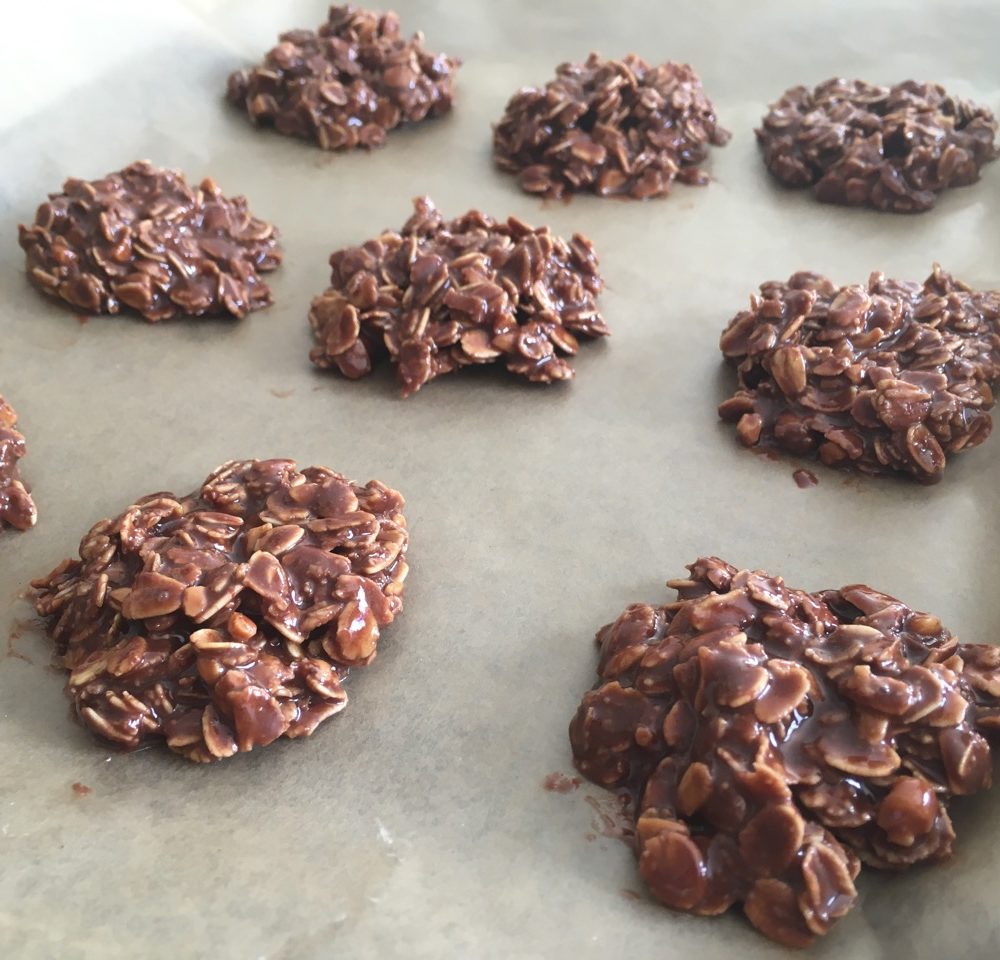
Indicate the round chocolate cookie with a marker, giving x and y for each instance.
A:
(143, 239)
(613, 127)
(444, 294)
(888, 376)
(892, 148)
(347, 83)
(774, 738)
(225, 619)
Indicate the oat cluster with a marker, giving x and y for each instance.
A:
(17, 509)
(444, 294)
(225, 619)
(347, 83)
(892, 148)
(775, 739)
(888, 376)
(143, 239)
(614, 127)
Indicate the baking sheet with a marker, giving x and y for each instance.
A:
(415, 823)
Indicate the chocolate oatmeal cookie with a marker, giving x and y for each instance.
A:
(889, 376)
(143, 239)
(613, 127)
(347, 83)
(889, 147)
(225, 619)
(775, 739)
(444, 294)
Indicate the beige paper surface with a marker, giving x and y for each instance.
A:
(415, 824)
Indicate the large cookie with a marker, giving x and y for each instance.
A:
(773, 738)
(225, 619)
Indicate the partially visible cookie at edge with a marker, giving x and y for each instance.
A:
(888, 147)
(17, 509)
(347, 83)
(142, 239)
(611, 127)
(442, 294)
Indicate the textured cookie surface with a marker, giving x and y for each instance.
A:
(614, 127)
(774, 739)
(444, 294)
(889, 147)
(225, 619)
(891, 376)
(347, 83)
(142, 239)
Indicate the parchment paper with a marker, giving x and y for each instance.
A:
(415, 824)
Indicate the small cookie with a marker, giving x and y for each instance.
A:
(346, 84)
(143, 239)
(443, 294)
(892, 148)
(612, 127)
(887, 377)
(17, 509)
(772, 738)
(225, 619)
